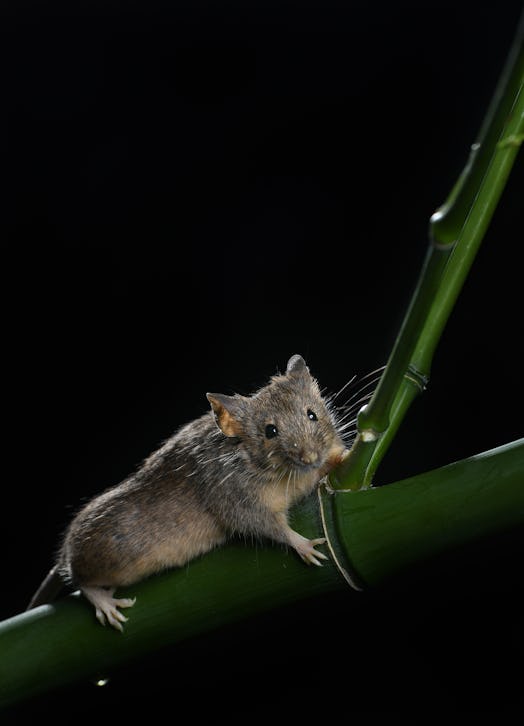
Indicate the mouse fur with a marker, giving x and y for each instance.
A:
(235, 470)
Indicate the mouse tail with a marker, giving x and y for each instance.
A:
(48, 590)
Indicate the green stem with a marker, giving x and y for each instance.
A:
(472, 233)
(371, 535)
(455, 274)
(407, 393)
(380, 530)
(375, 416)
(468, 210)
(447, 221)
(374, 419)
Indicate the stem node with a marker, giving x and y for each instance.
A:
(417, 377)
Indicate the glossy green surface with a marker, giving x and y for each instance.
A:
(373, 534)
(456, 232)
(384, 530)
(60, 643)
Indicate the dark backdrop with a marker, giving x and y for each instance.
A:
(196, 191)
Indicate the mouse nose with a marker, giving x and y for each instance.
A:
(308, 457)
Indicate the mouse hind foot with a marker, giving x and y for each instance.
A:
(106, 606)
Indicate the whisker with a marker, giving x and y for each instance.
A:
(334, 396)
(377, 372)
(371, 383)
(347, 413)
(357, 405)
(364, 386)
(347, 424)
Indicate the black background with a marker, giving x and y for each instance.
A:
(195, 191)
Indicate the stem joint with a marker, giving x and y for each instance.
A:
(420, 379)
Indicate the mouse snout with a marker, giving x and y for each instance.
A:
(307, 456)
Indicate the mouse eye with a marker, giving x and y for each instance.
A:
(271, 431)
(312, 416)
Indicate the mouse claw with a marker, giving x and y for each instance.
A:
(315, 555)
(319, 541)
(100, 616)
(306, 549)
(106, 606)
(312, 560)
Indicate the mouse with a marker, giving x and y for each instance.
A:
(235, 470)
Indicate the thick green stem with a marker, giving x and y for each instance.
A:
(374, 532)
(371, 535)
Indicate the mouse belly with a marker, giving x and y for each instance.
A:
(125, 556)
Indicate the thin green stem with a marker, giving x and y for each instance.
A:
(471, 205)
(447, 221)
(408, 391)
(456, 273)
(472, 233)
(375, 416)
(374, 419)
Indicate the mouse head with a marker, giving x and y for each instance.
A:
(285, 426)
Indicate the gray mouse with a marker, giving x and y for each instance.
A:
(235, 470)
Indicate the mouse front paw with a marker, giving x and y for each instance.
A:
(306, 548)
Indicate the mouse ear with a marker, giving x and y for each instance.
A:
(227, 412)
(296, 364)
